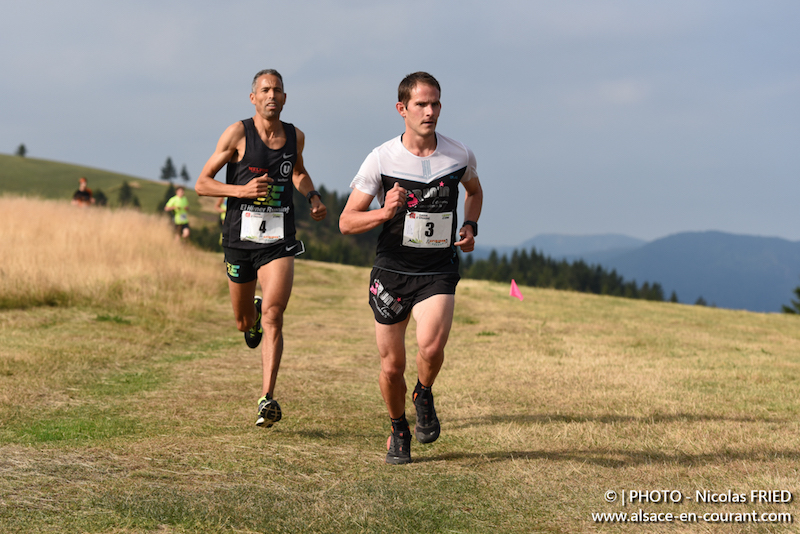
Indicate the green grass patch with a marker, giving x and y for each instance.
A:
(74, 425)
(107, 318)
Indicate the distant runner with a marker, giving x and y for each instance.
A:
(221, 207)
(415, 177)
(179, 205)
(83, 195)
(264, 158)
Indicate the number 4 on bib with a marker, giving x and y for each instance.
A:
(261, 227)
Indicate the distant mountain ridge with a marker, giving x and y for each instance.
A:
(727, 270)
(575, 246)
(569, 247)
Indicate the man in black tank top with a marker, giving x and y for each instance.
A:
(264, 158)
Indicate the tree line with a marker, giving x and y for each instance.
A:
(538, 270)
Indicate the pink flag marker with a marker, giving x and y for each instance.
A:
(515, 292)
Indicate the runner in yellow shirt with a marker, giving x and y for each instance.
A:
(180, 205)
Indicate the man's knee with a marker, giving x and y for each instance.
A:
(242, 323)
(432, 352)
(245, 315)
(272, 315)
(393, 368)
(431, 343)
(393, 374)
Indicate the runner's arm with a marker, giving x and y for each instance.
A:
(473, 202)
(229, 145)
(302, 181)
(357, 218)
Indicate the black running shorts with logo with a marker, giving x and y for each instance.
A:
(243, 264)
(393, 295)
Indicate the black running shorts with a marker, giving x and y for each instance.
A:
(393, 295)
(243, 264)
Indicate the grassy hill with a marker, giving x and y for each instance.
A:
(56, 180)
(127, 403)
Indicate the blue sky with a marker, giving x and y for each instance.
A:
(586, 117)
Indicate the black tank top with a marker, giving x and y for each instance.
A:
(277, 164)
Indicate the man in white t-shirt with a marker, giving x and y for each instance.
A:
(416, 178)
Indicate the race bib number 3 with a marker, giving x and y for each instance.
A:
(427, 230)
(261, 227)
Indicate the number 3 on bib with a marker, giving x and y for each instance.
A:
(427, 230)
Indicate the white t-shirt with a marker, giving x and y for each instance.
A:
(419, 239)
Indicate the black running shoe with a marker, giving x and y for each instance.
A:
(399, 446)
(269, 411)
(253, 336)
(427, 428)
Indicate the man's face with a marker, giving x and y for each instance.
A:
(268, 97)
(422, 110)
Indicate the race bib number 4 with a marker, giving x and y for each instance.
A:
(427, 230)
(261, 227)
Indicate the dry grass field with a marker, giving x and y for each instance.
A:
(127, 402)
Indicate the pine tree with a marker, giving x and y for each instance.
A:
(100, 198)
(21, 151)
(795, 308)
(127, 197)
(185, 174)
(168, 170)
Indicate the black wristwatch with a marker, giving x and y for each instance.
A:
(474, 226)
(312, 194)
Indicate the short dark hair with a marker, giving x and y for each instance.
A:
(411, 81)
(264, 72)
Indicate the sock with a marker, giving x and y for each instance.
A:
(420, 387)
(420, 390)
(400, 423)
